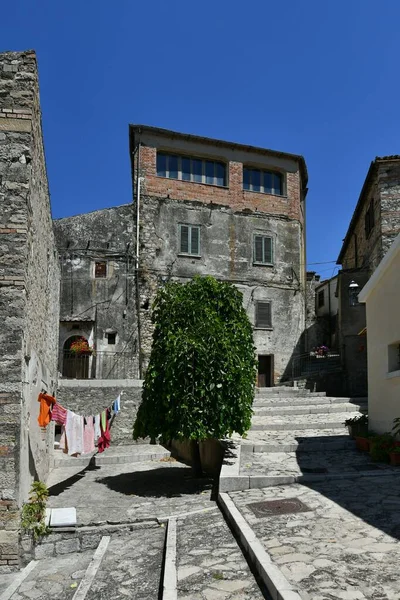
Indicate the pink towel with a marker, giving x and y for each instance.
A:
(59, 414)
(88, 436)
(74, 433)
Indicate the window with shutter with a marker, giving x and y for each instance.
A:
(100, 269)
(263, 315)
(263, 250)
(189, 240)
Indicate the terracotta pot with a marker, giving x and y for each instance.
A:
(362, 443)
(394, 459)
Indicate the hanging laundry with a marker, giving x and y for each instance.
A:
(59, 414)
(63, 441)
(105, 438)
(97, 430)
(103, 420)
(74, 433)
(88, 435)
(117, 405)
(46, 402)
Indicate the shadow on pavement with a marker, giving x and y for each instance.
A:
(162, 482)
(59, 488)
(369, 490)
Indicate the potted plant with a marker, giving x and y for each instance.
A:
(380, 447)
(396, 430)
(357, 426)
(81, 346)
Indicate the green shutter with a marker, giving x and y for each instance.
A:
(184, 239)
(195, 240)
(267, 250)
(258, 248)
(263, 314)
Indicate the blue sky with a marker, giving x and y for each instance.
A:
(314, 78)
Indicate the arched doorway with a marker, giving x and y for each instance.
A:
(75, 365)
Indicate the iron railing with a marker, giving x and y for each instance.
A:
(98, 365)
(309, 364)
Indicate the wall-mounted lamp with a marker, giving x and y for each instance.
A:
(354, 290)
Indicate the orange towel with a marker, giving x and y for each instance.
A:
(46, 402)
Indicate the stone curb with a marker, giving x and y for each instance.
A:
(229, 478)
(20, 577)
(277, 585)
(170, 576)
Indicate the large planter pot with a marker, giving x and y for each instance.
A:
(362, 443)
(357, 431)
(394, 459)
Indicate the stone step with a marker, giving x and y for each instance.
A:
(210, 564)
(112, 456)
(276, 392)
(306, 401)
(287, 423)
(309, 410)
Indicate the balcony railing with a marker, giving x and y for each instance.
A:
(98, 365)
(307, 365)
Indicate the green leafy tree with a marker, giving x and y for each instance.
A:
(200, 380)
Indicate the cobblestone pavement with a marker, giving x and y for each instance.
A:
(291, 463)
(124, 493)
(210, 564)
(294, 438)
(345, 546)
(54, 578)
(131, 568)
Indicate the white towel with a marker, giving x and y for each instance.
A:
(74, 433)
(97, 431)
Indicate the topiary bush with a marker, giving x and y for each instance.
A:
(202, 370)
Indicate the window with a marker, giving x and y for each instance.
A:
(263, 315)
(369, 220)
(394, 357)
(262, 250)
(321, 298)
(100, 269)
(189, 239)
(187, 168)
(111, 338)
(266, 182)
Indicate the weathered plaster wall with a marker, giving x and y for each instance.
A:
(28, 291)
(226, 253)
(89, 305)
(91, 398)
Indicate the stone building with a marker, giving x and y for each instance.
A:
(29, 293)
(205, 206)
(373, 227)
(97, 298)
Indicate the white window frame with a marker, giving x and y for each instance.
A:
(190, 227)
(263, 262)
(192, 174)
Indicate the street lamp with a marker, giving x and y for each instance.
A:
(354, 289)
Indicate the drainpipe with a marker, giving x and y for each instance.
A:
(137, 261)
(138, 182)
(330, 316)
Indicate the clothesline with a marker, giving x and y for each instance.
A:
(79, 432)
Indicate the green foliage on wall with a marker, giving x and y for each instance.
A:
(202, 371)
(34, 511)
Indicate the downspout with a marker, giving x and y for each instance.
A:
(329, 316)
(137, 261)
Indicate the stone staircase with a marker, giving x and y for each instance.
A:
(298, 436)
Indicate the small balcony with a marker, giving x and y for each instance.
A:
(98, 365)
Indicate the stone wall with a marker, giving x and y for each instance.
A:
(226, 253)
(228, 217)
(28, 292)
(92, 306)
(92, 397)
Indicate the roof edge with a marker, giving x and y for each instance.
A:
(137, 128)
(380, 270)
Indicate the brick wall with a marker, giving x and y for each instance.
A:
(28, 292)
